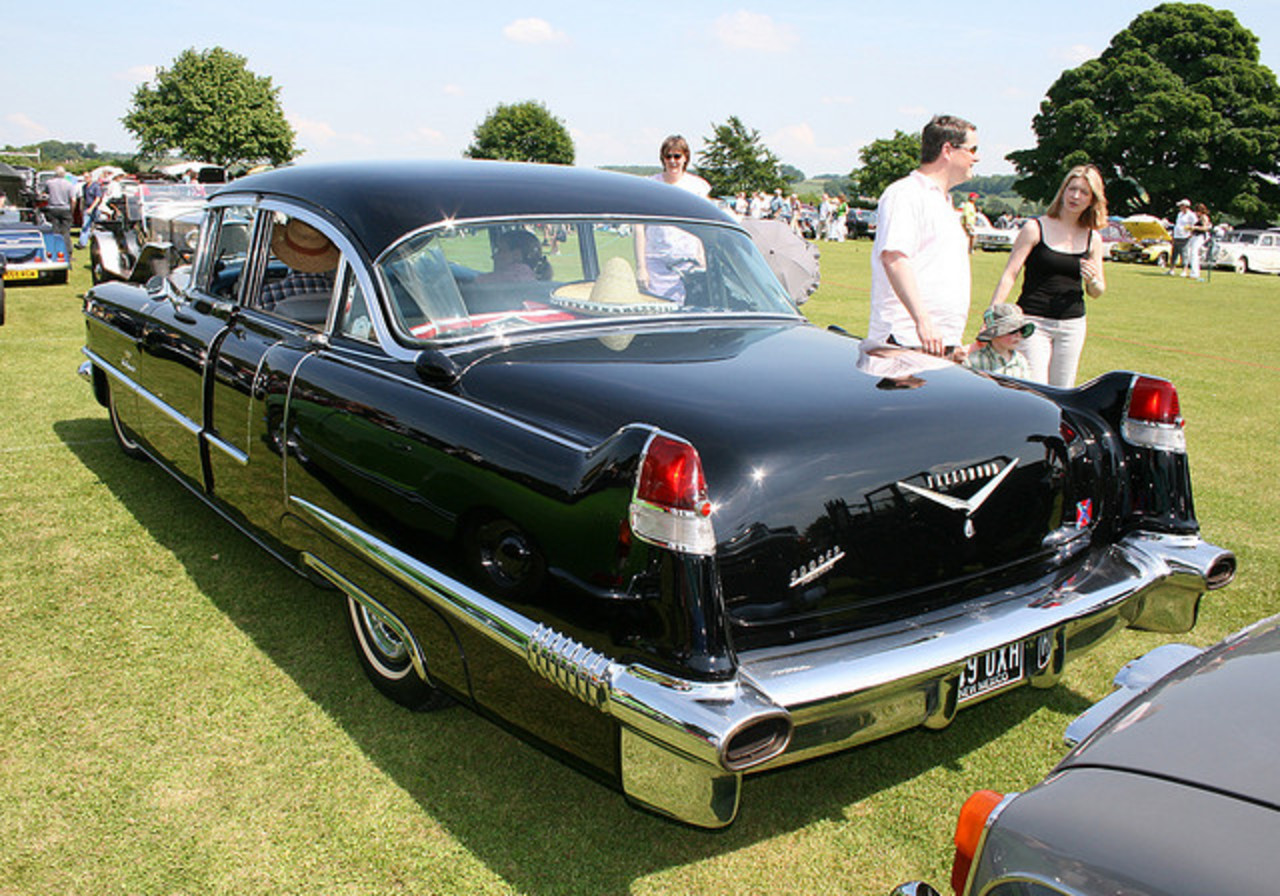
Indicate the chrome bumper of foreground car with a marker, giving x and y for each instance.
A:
(866, 685)
(686, 744)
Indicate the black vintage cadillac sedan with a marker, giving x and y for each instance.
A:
(575, 460)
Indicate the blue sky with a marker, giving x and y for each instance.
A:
(412, 78)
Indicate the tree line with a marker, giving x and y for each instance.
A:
(1178, 105)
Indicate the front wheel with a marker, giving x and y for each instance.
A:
(387, 661)
(1242, 265)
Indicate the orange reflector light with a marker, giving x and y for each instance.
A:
(969, 829)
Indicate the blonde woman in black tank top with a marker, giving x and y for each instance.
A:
(1062, 259)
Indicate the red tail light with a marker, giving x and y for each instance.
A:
(970, 828)
(1154, 401)
(1153, 418)
(672, 477)
(670, 507)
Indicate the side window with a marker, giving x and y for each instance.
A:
(353, 311)
(297, 282)
(229, 251)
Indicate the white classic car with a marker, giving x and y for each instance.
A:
(989, 238)
(1248, 250)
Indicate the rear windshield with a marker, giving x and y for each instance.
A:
(459, 282)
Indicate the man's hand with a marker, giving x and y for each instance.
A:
(930, 341)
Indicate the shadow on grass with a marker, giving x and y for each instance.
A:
(541, 826)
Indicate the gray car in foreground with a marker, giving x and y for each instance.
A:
(1173, 789)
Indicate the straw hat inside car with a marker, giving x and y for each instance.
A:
(303, 248)
(613, 292)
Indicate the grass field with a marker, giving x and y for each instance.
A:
(181, 715)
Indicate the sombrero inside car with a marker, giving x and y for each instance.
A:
(614, 292)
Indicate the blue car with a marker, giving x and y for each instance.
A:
(33, 252)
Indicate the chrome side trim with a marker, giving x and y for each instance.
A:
(725, 724)
(228, 449)
(159, 404)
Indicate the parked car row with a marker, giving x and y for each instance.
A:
(597, 494)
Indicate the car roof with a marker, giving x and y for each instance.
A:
(1208, 723)
(382, 201)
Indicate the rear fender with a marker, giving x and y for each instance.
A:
(1152, 486)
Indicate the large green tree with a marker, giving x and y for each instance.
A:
(209, 106)
(522, 132)
(1177, 105)
(734, 158)
(884, 161)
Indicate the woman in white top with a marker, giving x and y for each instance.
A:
(667, 251)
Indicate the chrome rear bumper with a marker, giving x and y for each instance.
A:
(859, 687)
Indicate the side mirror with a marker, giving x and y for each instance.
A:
(436, 368)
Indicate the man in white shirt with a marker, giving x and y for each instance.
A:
(920, 258)
(1181, 234)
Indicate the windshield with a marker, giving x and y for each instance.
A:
(463, 281)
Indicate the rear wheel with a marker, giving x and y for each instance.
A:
(387, 660)
(124, 437)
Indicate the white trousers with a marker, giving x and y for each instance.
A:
(1194, 247)
(1053, 350)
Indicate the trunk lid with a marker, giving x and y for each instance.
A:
(848, 488)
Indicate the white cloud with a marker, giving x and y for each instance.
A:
(312, 131)
(452, 90)
(793, 137)
(138, 74)
(1075, 54)
(744, 30)
(838, 100)
(28, 126)
(533, 31)
(429, 136)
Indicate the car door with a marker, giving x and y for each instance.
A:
(1268, 254)
(279, 319)
(176, 336)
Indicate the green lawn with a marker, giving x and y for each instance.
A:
(181, 715)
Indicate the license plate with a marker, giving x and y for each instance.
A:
(21, 274)
(992, 671)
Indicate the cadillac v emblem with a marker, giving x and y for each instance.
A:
(968, 505)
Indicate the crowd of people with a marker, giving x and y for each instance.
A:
(64, 198)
